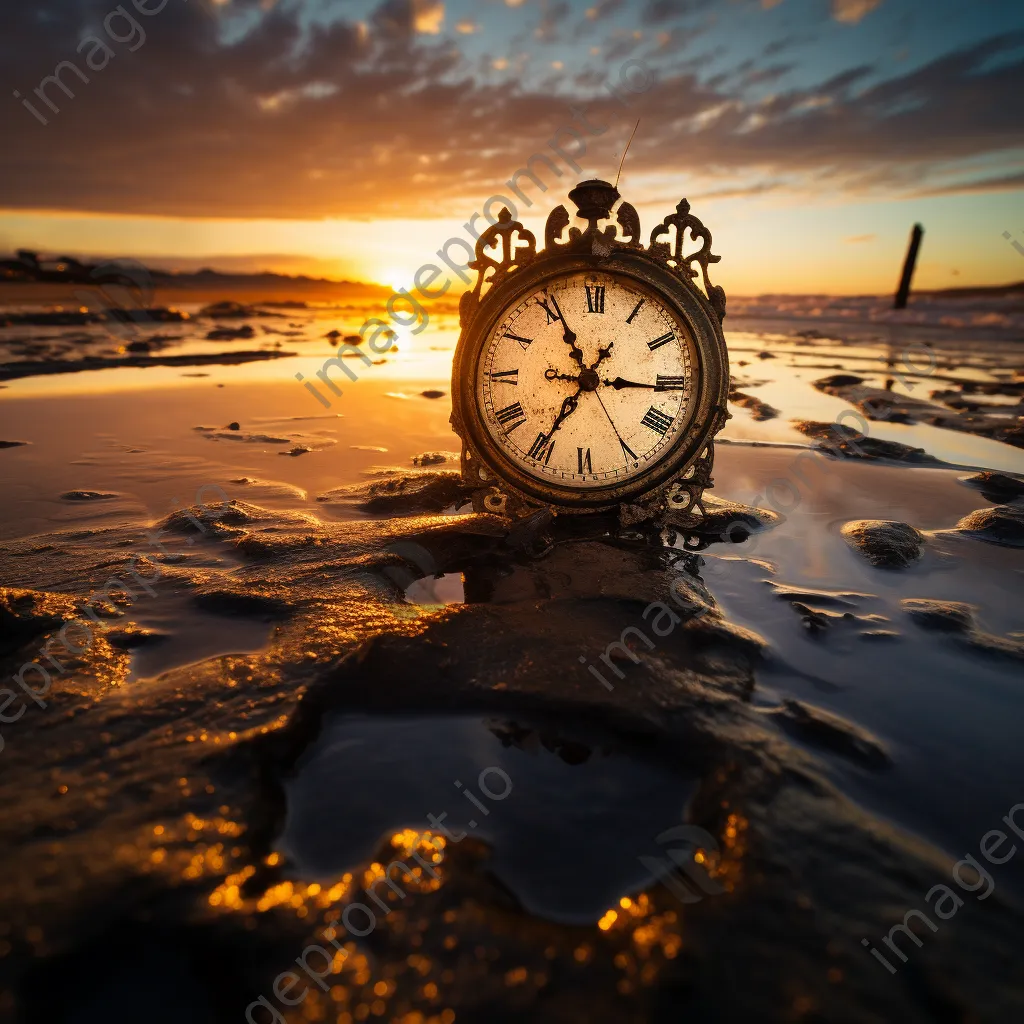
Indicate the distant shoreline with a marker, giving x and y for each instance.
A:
(170, 289)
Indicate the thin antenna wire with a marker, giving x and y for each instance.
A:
(625, 151)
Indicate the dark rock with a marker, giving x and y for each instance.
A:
(816, 598)
(956, 619)
(838, 380)
(13, 444)
(842, 441)
(945, 616)
(234, 426)
(400, 493)
(228, 310)
(432, 393)
(1003, 524)
(832, 733)
(884, 543)
(231, 333)
(88, 495)
(997, 487)
(759, 409)
(435, 458)
(729, 520)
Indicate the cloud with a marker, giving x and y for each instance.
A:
(850, 12)
(408, 17)
(859, 239)
(622, 43)
(658, 11)
(1003, 183)
(428, 16)
(603, 9)
(284, 117)
(554, 13)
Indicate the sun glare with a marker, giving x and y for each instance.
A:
(395, 279)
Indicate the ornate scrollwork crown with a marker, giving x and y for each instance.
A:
(506, 246)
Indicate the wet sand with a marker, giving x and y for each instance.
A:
(223, 770)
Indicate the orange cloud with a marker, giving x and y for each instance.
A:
(850, 12)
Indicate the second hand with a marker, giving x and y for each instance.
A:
(626, 450)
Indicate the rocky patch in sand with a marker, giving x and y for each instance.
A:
(957, 620)
(841, 441)
(436, 459)
(821, 610)
(1001, 423)
(758, 409)
(884, 543)
(46, 367)
(88, 495)
(997, 487)
(1002, 524)
(401, 492)
(830, 732)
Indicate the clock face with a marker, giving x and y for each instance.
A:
(587, 381)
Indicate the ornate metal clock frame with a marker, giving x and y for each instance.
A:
(507, 264)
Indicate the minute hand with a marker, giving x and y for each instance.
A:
(568, 335)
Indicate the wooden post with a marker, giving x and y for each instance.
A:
(903, 292)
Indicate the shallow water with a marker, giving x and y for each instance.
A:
(199, 703)
(566, 818)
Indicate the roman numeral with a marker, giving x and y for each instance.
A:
(636, 309)
(542, 449)
(658, 421)
(670, 383)
(524, 342)
(626, 450)
(551, 317)
(584, 461)
(595, 298)
(506, 377)
(663, 340)
(512, 414)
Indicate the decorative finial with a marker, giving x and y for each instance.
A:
(594, 199)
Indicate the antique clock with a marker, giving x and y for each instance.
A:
(592, 375)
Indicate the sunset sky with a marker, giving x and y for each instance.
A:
(352, 139)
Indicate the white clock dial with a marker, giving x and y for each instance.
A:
(587, 381)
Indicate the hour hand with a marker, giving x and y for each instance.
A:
(553, 374)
